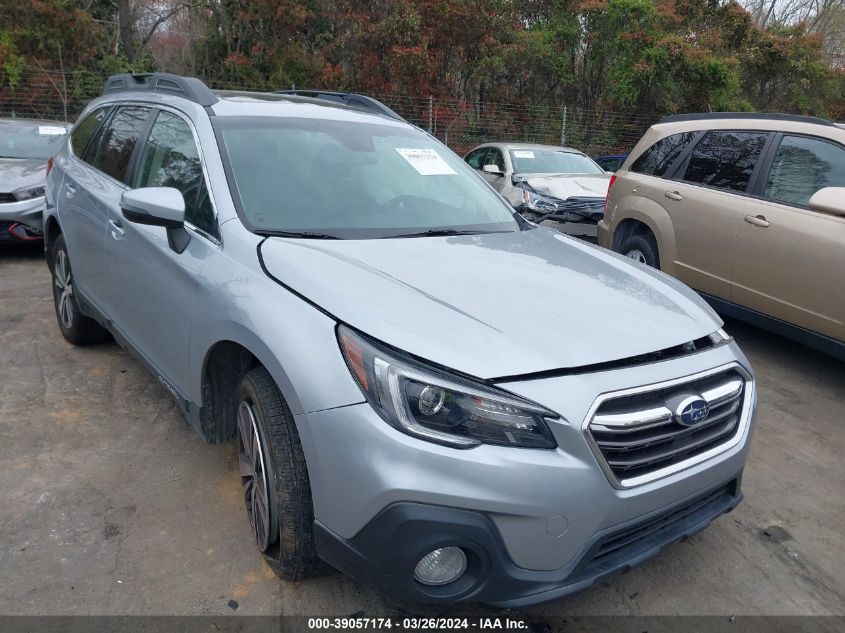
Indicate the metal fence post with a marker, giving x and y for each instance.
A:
(431, 114)
(563, 128)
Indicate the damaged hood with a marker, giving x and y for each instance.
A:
(564, 186)
(493, 305)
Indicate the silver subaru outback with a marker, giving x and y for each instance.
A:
(402, 358)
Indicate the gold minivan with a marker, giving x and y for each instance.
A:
(748, 209)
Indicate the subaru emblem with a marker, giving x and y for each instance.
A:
(691, 411)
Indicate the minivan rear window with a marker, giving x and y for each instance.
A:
(660, 156)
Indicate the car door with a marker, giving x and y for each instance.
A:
(789, 260)
(154, 286)
(83, 220)
(705, 201)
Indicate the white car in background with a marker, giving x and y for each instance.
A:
(25, 146)
(545, 182)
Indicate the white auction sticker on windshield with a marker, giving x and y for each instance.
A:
(426, 161)
(51, 130)
(522, 153)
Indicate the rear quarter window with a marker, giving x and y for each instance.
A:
(657, 159)
(85, 130)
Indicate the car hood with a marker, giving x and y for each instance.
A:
(563, 186)
(493, 305)
(21, 172)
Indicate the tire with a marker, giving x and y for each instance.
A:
(77, 328)
(642, 248)
(283, 522)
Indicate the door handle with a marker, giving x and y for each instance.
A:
(757, 220)
(674, 195)
(70, 190)
(116, 229)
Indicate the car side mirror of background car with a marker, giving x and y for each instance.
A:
(158, 206)
(492, 169)
(829, 200)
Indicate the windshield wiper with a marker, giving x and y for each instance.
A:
(439, 232)
(302, 234)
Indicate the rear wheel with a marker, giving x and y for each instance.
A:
(277, 491)
(75, 326)
(641, 248)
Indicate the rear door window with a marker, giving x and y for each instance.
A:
(725, 160)
(802, 166)
(119, 139)
(658, 158)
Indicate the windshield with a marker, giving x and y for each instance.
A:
(353, 180)
(552, 161)
(30, 139)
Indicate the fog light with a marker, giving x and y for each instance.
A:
(441, 566)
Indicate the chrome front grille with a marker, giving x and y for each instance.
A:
(643, 434)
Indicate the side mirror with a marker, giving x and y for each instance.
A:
(492, 169)
(158, 206)
(829, 200)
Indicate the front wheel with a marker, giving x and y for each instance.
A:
(277, 491)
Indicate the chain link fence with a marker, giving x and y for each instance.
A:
(459, 124)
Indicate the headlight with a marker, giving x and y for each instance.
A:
(28, 194)
(536, 202)
(433, 405)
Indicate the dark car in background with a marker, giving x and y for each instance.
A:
(612, 162)
(25, 147)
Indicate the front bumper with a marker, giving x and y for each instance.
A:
(385, 552)
(544, 508)
(29, 213)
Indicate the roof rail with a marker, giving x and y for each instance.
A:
(362, 102)
(190, 88)
(769, 116)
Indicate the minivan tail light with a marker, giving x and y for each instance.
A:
(609, 185)
(49, 165)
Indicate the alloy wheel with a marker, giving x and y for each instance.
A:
(637, 255)
(64, 284)
(254, 476)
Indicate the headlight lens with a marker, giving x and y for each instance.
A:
(535, 202)
(28, 194)
(430, 404)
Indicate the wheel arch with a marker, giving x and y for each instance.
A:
(52, 231)
(642, 214)
(224, 364)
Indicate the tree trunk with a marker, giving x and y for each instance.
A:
(127, 30)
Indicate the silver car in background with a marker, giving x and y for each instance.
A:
(25, 147)
(546, 183)
(340, 292)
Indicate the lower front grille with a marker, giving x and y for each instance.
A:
(640, 433)
(675, 523)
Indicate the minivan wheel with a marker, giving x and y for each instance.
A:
(75, 326)
(641, 248)
(276, 488)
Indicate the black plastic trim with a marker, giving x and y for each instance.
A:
(384, 553)
(189, 88)
(350, 99)
(753, 116)
(814, 340)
